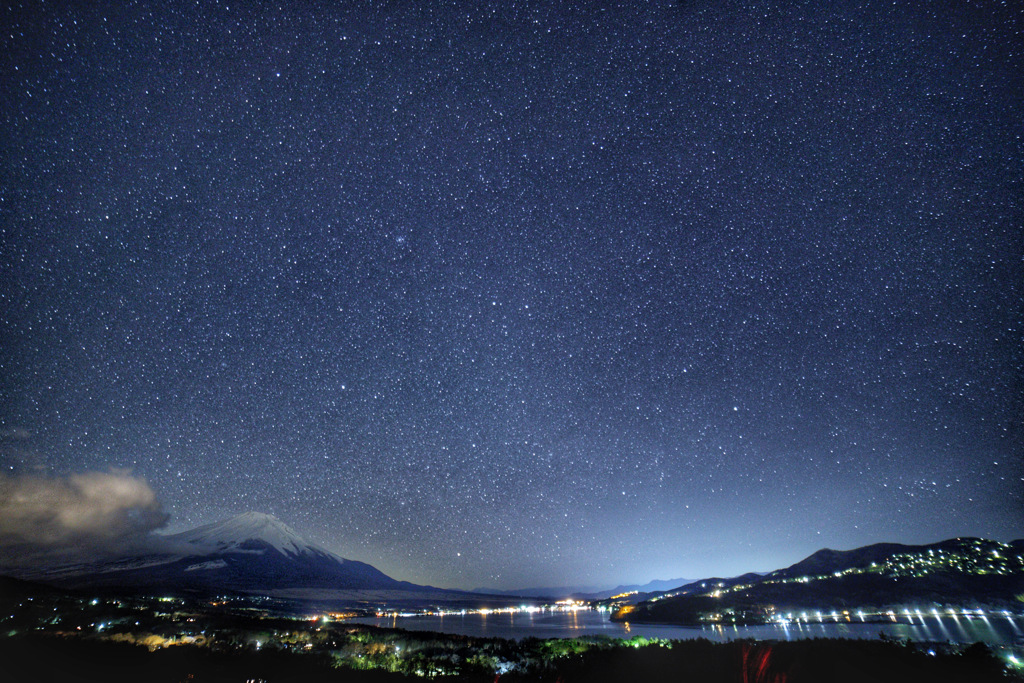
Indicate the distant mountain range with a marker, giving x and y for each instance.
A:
(588, 592)
(961, 571)
(252, 552)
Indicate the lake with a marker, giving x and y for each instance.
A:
(991, 629)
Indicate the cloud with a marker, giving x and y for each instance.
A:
(78, 513)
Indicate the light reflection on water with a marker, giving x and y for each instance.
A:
(992, 629)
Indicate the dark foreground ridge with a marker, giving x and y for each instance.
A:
(340, 653)
(51, 636)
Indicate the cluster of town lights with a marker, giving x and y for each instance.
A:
(971, 557)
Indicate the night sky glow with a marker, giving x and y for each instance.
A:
(517, 294)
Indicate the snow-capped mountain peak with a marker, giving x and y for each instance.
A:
(252, 553)
(238, 533)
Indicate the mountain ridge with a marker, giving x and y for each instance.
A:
(958, 571)
(250, 552)
(587, 592)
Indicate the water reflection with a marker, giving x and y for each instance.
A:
(995, 630)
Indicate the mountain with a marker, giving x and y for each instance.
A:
(549, 592)
(712, 584)
(954, 572)
(252, 552)
(232, 534)
(827, 560)
(587, 592)
(637, 591)
(655, 586)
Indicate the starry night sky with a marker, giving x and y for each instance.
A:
(517, 294)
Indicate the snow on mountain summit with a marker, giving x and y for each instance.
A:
(252, 553)
(238, 533)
